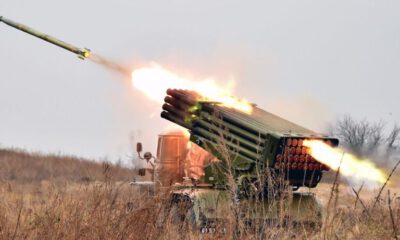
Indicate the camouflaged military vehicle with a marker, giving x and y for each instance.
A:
(252, 162)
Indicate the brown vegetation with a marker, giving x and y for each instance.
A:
(33, 206)
(21, 167)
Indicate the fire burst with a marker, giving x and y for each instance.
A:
(350, 165)
(155, 80)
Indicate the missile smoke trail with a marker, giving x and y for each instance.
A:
(82, 53)
(109, 64)
(149, 79)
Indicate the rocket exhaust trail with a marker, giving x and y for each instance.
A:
(82, 53)
(110, 64)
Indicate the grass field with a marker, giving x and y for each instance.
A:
(61, 197)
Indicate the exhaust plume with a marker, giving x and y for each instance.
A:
(154, 81)
(353, 168)
(108, 63)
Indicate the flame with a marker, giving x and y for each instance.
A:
(350, 165)
(154, 81)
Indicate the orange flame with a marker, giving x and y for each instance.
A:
(154, 81)
(350, 165)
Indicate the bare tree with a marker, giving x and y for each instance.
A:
(393, 137)
(359, 136)
(376, 137)
(366, 138)
(393, 141)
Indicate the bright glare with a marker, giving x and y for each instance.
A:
(350, 165)
(154, 81)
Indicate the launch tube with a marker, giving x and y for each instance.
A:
(213, 137)
(174, 119)
(176, 103)
(203, 145)
(228, 135)
(175, 111)
(232, 127)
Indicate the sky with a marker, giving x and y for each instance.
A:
(308, 61)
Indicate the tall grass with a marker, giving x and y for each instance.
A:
(109, 208)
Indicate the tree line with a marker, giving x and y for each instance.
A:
(368, 139)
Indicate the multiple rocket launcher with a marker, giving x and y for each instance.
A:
(252, 142)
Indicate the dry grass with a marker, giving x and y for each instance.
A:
(49, 200)
(21, 167)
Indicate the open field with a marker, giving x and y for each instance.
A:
(55, 197)
(21, 167)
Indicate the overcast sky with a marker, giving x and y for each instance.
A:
(308, 61)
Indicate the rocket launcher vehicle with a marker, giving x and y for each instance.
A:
(82, 53)
(247, 144)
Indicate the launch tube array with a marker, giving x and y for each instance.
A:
(254, 141)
